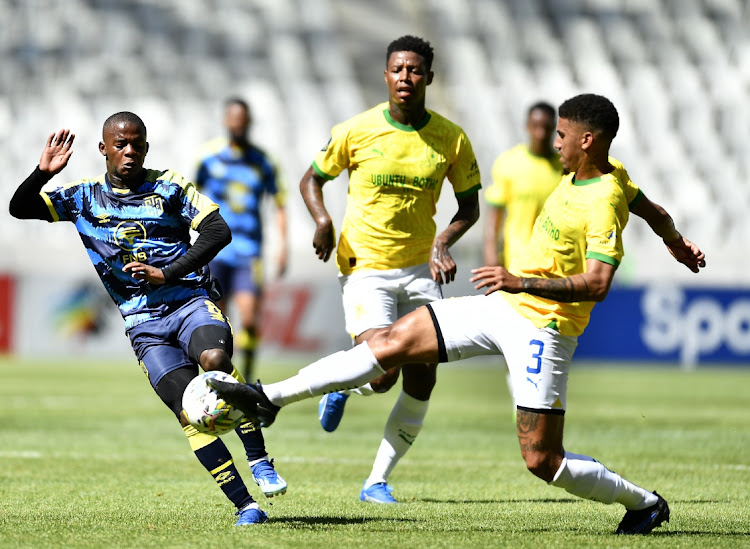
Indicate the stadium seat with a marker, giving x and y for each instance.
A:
(678, 70)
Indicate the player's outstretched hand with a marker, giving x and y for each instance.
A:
(442, 267)
(56, 152)
(494, 279)
(687, 253)
(141, 271)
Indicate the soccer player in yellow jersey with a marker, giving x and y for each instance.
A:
(522, 179)
(389, 258)
(531, 314)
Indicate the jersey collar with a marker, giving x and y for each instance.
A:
(584, 182)
(403, 127)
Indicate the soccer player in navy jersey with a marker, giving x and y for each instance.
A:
(135, 223)
(237, 174)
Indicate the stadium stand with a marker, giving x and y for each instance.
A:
(678, 70)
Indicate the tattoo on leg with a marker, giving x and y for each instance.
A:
(526, 422)
(528, 445)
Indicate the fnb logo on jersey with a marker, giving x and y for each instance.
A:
(131, 235)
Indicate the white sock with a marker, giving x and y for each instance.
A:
(585, 477)
(403, 426)
(343, 370)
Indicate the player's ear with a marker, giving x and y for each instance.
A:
(103, 148)
(587, 140)
(430, 75)
(145, 153)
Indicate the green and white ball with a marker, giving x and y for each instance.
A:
(205, 410)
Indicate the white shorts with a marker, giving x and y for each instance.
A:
(375, 299)
(538, 359)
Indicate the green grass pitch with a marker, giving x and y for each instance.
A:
(89, 457)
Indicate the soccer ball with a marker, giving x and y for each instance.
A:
(205, 410)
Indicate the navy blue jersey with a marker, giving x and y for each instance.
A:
(150, 223)
(237, 179)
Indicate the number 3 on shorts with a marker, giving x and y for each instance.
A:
(538, 356)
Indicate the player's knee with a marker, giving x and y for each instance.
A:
(542, 464)
(216, 359)
(388, 341)
(210, 341)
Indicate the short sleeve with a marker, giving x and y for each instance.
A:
(604, 232)
(195, 206)
(464, 171)
(333, 159)
(63, 202)
(632, 192)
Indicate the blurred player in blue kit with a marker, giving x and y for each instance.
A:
(532, 314)
(135, 225)
(237, 174)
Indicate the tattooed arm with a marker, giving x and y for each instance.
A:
(592, 285)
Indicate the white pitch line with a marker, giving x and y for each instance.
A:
(21, 454)
(323, 460)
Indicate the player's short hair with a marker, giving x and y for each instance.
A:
(234, 100)
(123, 117)
(595, 111)
(414, 44)
(544, 107)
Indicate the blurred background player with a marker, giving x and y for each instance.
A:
(522, 179)
(134, 224)
(390, 262)
(532, 314)
(237, 174)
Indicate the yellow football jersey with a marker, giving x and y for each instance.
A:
(396, 173)
(580, 220)
(521, 182)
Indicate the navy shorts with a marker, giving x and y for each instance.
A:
(163, 345)
(247, 277)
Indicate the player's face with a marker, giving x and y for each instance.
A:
(237, 122)
(541, 127)
(568, 143)
(407, 78)
(125, 149)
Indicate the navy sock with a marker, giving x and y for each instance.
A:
(252, 439)
(217, 460)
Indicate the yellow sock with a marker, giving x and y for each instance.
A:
(197, 439)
